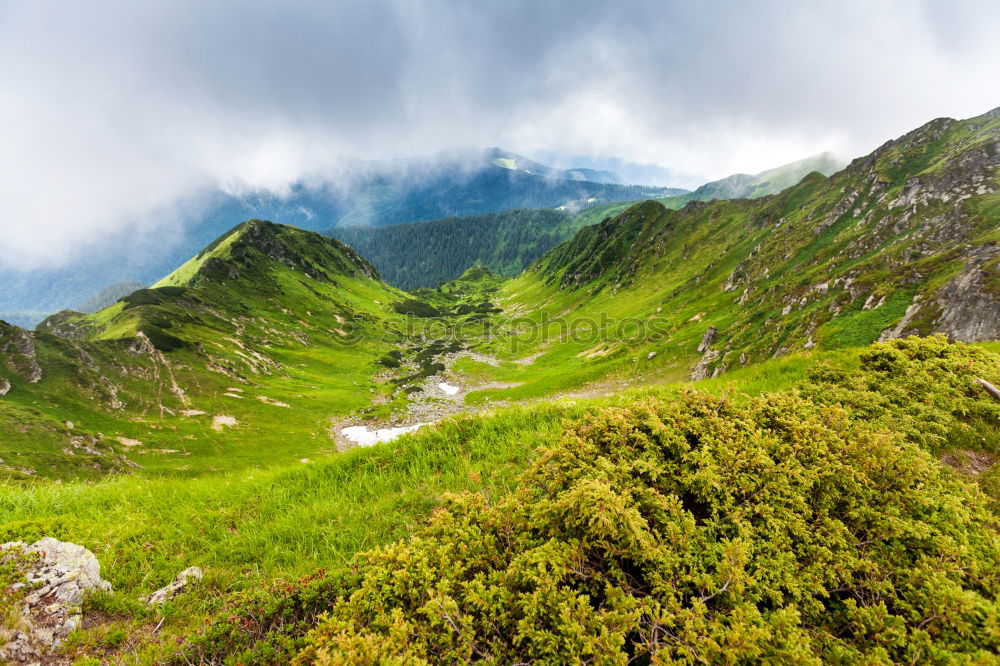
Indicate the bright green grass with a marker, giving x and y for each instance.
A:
(250, 528)
(292, 518)
(190, 268)
(862, 327)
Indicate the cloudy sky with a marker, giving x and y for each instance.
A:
(110, 112)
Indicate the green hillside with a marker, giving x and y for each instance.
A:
(903, 241)
(240, 357)
(798, 475)
(425, 254)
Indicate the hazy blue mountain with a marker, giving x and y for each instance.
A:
(459, 183)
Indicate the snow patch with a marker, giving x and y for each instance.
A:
(362, 436)
(448, 388)
(506, 163)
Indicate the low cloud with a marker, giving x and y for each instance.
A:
(113, 112)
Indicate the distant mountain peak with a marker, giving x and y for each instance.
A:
(505, 163)
(771, 181)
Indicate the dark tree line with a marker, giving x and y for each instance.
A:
(425, 254)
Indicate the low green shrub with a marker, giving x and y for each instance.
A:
(389, 361)
(699, 530)
(416, 308)
(922, 387)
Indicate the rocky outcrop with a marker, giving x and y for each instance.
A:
(60, 575)
(168, 592)
(707, 339)
(970, 311)
(902, 329)
(67, 324)
(17, 347)
(703, 368)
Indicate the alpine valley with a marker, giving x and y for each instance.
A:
(756, 422)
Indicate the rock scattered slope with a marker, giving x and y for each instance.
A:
(903, 241)
(263, 305)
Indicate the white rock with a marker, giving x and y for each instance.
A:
(168, 592)
(64, 573)
(221, 420)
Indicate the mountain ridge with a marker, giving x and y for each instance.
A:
(398, 248)
(770, 181)
(903, 240)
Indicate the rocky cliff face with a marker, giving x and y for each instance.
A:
(969, 303)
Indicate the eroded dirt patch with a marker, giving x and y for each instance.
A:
(972, 463)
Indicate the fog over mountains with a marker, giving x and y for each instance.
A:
(364, 194)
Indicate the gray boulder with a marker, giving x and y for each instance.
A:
(703, 369)
(60, 575)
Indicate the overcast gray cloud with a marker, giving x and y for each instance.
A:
(110, 112)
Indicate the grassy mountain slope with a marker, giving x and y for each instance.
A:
(256, 531)
(902, 241)
(240, 357)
